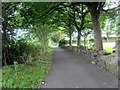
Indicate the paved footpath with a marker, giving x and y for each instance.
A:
(74, 71)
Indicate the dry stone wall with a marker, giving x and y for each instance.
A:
(101, 58)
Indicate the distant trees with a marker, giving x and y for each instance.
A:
(57, 36)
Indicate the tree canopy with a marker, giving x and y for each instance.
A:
(43, 21)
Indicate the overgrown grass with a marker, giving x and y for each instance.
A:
(0, 78)
(28, 75)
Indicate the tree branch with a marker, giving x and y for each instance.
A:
(64, 13)
(115, 8)
(50, 11)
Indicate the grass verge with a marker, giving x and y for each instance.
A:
(0, 79)
(28, 75)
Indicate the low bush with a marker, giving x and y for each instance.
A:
(19, 51)
(62, 43)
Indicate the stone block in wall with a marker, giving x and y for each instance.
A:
(104, 58)
(113, 68)
(114, 58)
(119, 73)
(70, 48)
(101, 63)
(79, 50)
(75, 49)
(108, 65)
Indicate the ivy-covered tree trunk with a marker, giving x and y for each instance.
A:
(6, 57)
(4, 40)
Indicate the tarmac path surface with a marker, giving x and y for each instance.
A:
(75, 71)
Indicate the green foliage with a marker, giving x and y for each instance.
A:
(0, 78)
(21, 49)
(24, 16)
(91, 44)
(54, 39)
(62, 43)
(15, 65)
(82, 47)
(74, 41)
(91, 40)
(88, 22)
(28, 75)
(103, 19)
(42, 21)
(56, 36)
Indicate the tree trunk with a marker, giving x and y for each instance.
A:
(70, 39)
(84, 40)
(79, 38)
(107, 37)
(97, 32)
(95, 9)
(6, 57)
